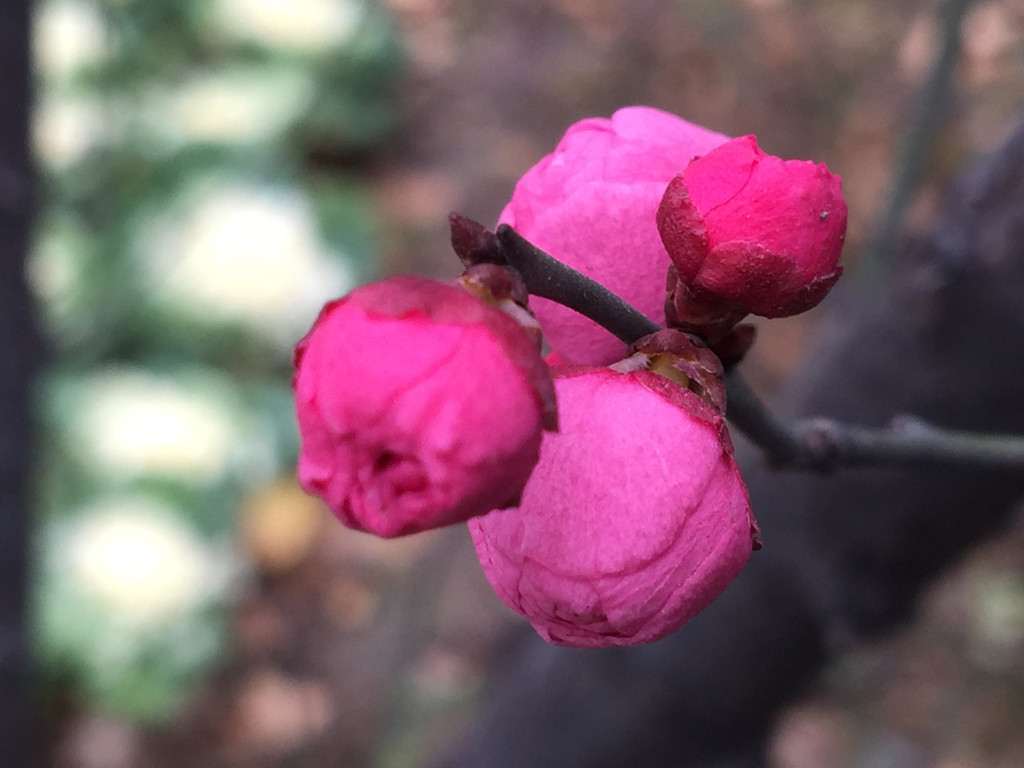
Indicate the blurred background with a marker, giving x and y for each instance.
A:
(212, 171)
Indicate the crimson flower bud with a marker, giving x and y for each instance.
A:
(418, 406)
(635, 517)
(750, 232)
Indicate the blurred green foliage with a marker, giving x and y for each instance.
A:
(186, 240)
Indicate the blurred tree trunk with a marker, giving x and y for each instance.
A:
(18, 347)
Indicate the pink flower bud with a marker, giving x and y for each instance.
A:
(591, 204)
(418, 406)
(750, 232)
(633, 521)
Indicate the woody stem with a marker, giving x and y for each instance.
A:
(810, 444)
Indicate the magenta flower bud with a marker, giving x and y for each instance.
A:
(591, 204)
(418, 406)
(749, 232)
(633, 521)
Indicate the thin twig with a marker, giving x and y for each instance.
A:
(808, 444)
(919, 138)
(780, 444)
(551, 279)
(907, 442)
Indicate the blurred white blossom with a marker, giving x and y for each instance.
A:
(131, 601)
(65, 128)
(250, 255)
(68, 35)
(298, 26)
(139, 562)
(133, 424)
(54, 269)
(235, 106)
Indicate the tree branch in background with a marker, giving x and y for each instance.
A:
(919, 138)
(18, 347)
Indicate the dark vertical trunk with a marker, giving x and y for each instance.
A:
(17, 354)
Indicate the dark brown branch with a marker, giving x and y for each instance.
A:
(818, 444)
(551, 279)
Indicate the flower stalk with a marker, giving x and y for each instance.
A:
(549, 278)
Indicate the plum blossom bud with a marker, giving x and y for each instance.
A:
(633, 521)
(418, 406)
(591, 204)
(750, 232)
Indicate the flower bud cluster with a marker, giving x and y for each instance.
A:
(618, 517)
